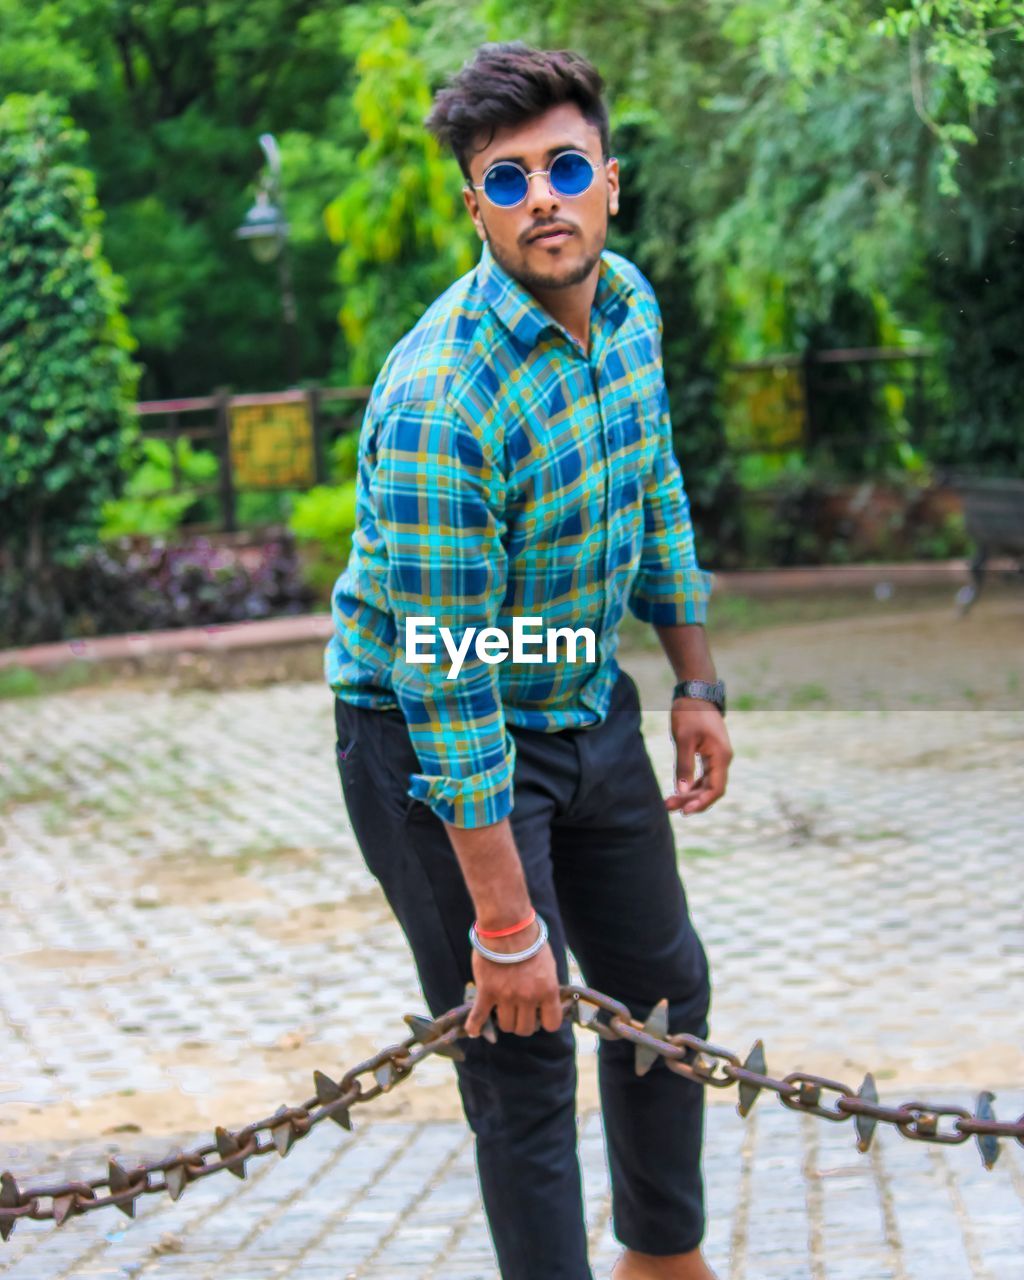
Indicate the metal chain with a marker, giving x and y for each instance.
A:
(689, 1056)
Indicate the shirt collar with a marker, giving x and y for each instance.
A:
(521, 313)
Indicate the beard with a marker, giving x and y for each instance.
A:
(556, 278)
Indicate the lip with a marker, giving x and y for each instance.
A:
(551, 235)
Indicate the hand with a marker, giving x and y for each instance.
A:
(698, 728)
(520, 992)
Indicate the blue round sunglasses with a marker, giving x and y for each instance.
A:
(507, 184)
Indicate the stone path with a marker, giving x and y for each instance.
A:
(789, 1199)
(188, 930)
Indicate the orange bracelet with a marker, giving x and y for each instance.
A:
(504, 933)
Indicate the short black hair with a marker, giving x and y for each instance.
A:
(508, 84)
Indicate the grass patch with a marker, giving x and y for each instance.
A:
(750, 702)
(701, 851)
(23, 682)
(808, 695)
(19, 682)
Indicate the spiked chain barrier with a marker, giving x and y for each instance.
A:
(688, 1056)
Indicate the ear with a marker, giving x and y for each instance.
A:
(612, 175)
(473, 206)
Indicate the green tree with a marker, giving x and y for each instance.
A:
(881, 154)
(827, 150)
(67, 381)
(654, 69)
(403, 230)
(174, 95)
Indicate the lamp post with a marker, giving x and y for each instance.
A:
(266, 230)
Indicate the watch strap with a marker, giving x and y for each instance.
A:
(704, 690)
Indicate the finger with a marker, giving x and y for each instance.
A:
(686, 754)
(507, 1012)
(478, 1015)
(526, 1020)
(680, 799)
(711, 786)
(715, 769)
(685, 774)
(551, 1012)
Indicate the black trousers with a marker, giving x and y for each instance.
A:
(598, 854)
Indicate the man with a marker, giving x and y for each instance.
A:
(516, 463)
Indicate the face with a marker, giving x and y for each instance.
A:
(548, 241)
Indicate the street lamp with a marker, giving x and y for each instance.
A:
(265, 228)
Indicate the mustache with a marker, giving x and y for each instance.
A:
(556, 224)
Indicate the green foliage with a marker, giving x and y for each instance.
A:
(794, 173)
(323, 521)
(67, 382)
(258, 508)
(655, 230)
(174, 94)
(826, 150)
(157, 498)
(948, 541)
(24, 682)
(343, 457)
(848, 145)
(19, 682)
(400, 222)
(326, 514)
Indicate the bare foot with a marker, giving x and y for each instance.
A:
(646, 1266)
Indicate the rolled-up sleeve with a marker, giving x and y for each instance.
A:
(438, 502)
(670, 588)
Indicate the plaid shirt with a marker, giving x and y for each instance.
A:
(503, 472)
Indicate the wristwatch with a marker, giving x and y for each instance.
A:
(702, 689)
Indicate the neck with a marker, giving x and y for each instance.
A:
(571, 306)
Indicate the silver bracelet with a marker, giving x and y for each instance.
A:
(511, 957)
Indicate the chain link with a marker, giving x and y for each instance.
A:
(689, 1056)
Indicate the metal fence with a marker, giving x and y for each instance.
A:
(271, 441)
(854, 409)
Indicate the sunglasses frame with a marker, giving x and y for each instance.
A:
(562, 195)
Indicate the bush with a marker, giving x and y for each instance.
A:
(343, 457)
(323, 520)
(151, 504)
(147, 584)
(67, 382)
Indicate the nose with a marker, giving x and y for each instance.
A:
(539, 194)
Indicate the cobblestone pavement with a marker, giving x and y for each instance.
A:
(789, 1199)
(188, 930)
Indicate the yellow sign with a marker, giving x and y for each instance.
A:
(765, 409)
(272, 446)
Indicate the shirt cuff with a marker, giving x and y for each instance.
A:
(475, 801)
(672, 600)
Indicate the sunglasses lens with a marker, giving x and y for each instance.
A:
(505, 185)
(571, 174)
